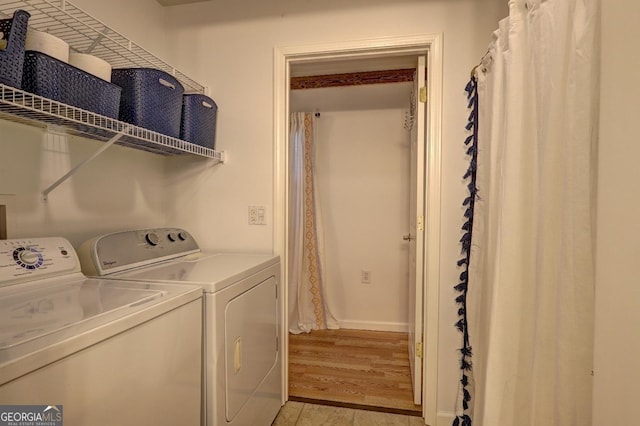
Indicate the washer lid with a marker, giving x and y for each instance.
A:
(31, 314)
(43, 321)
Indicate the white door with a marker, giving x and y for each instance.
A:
(416, 235)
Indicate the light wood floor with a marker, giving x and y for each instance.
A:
(369, 368)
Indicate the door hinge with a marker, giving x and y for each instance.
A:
(423, 94)
(419, 349)
(420, 224)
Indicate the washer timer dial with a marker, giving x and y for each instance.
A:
(152, 238)
(28, 258)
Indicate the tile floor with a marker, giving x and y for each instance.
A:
(303, 414)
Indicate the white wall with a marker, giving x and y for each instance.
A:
(363, 179)
(617, 335)
(142, 21)
(123, 188)
(230, 47)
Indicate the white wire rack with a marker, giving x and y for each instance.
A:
(26, 108)
(88, 35)
(23, 107)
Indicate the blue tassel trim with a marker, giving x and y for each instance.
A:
(462, 287)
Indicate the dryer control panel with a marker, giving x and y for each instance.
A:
(28, 259)
(121, 251)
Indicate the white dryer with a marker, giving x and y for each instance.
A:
(242, 346)
(90, 346)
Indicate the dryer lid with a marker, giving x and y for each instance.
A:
(212, 272)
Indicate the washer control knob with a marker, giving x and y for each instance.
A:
(152, 238)
(183, 236)
(29, 257)
(172, 236)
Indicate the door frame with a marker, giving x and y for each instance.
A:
(432, 46)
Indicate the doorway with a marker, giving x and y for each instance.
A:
(430, 45)
(361, 138)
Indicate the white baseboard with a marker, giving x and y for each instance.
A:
(375, 325)
(444, 419)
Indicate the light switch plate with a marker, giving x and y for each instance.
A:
(257, 215)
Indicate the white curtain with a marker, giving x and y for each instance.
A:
(531, 271)
(308, 308)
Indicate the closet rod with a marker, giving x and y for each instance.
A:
(473, 70)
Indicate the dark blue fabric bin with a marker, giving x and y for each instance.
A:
(12, 58)
(198, 124)
(150, 98)
(51, 78)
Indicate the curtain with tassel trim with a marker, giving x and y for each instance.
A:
(526, 289)
(463, 417)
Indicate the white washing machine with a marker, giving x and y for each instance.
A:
(103, 352)
(242, 346)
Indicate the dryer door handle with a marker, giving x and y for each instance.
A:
(237, 355)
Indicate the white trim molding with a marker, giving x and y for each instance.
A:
(398, 327)
(432, 46)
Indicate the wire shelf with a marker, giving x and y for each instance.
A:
(26, 108)
(89, 35)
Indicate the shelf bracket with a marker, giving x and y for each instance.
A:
(97, 40)
(103, 148)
